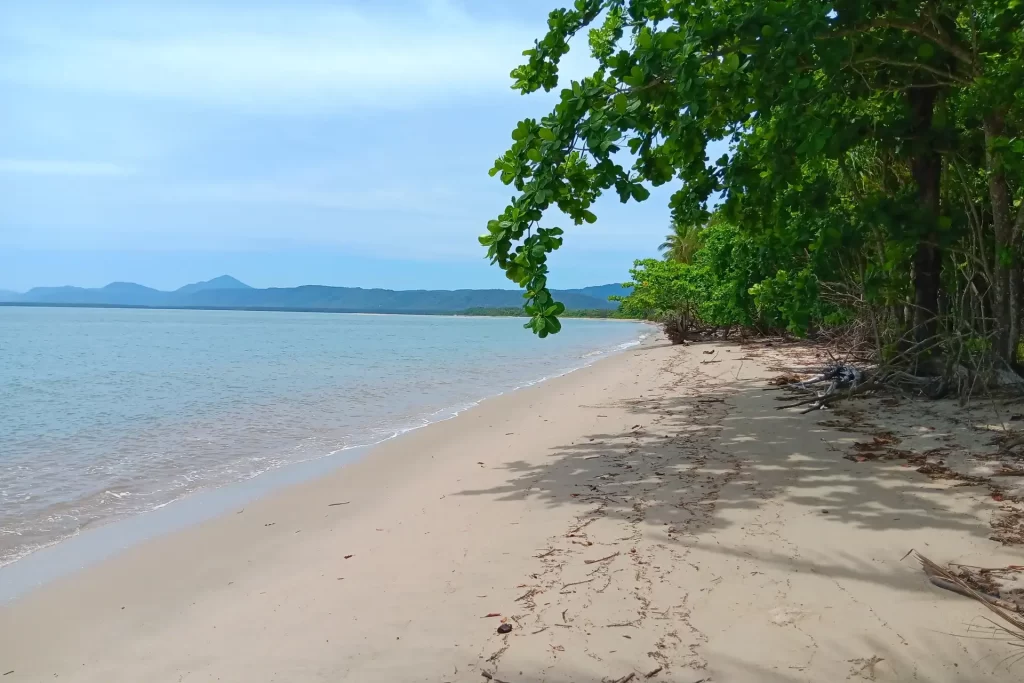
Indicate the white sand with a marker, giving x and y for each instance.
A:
(650, 515)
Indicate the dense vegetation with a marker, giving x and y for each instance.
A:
(874, 179)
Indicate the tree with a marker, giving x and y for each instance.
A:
(680, 244)
(933, 91)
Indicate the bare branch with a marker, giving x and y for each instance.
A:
(953, 79)
(943, 41)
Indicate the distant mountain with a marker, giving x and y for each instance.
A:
(227, 292)
(602, 291)
(7, 295)
(114, 294)
(222, 282)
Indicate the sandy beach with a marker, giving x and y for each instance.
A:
(650, 517)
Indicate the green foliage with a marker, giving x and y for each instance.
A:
(831, 110)
(730, 280)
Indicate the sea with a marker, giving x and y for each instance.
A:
(112, 413)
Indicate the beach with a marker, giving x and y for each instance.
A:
(652, 516)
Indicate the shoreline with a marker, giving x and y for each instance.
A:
(97, 542)
(650, 516)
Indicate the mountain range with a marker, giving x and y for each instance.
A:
(229, 293)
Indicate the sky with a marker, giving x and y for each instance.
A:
(335, 142)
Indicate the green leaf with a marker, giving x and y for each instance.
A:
(635, 78)
(557, 308)
(546, 134)
(731, 62)
(639, 192)
(589, 216)
(644, 39)
(620, 101)
(925, 51)
(767, 30)
(534, 154)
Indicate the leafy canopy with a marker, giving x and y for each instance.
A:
(801, 89)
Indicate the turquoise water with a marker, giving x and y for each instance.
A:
(106, 413)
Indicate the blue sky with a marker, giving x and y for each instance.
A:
(327, 142)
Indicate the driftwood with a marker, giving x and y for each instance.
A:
(831, 396)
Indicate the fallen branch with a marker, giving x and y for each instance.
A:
(578, 528)
(1017, 623)
(827, 399)
(574, 583)
(601, 559)
(950, 586)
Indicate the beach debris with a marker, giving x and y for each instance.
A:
(602, 559)
(349, 556)
(984, 583)
(346, 502)
(505, 628)
(489, 676)
(1015, 630)
(864, 668)
(839, 376)
(654, 673)
(579, 527)
(8, 673)
(784, 380)
(270, 524)
(575, 583)
(543, 555)
(626, 679)
(491, 614)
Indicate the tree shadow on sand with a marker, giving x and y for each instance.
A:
(700, 453)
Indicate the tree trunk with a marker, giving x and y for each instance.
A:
(1006, 264)
(926, 168)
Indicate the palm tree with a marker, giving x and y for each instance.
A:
(681, 244)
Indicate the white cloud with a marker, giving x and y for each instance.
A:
(287, 58)
(63, 168)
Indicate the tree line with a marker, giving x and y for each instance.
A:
(873, 181)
